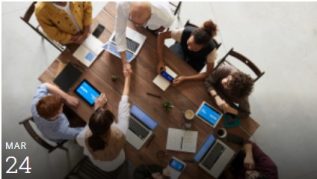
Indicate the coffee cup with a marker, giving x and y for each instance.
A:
(222, 133)
(189, 116)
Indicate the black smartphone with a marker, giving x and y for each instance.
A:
(235, 139)
(98, 31)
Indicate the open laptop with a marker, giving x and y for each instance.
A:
(209, 114)
(141, 127)
(135, 41)
(67, 77)
(214, 156)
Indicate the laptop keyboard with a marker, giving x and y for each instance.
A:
(138, 129)
(213, 155)
(131, 45)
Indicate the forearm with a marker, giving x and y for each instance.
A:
(123, 58)
(248, 149)
(56, 90)
(198, 76)
(126, 88)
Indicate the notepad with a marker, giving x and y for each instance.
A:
(164, 79)
(89, 50)
(181, 140)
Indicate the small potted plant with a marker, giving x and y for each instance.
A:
(167, 105)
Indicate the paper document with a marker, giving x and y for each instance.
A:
(88, 51)
(164, 80)
(181, 140)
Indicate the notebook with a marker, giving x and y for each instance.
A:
(181, 140)
(165, 78)
(89, 50)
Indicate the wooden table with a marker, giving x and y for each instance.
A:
(188, 95)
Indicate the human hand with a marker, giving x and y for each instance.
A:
(101, 101)
(127, 68)
(160, 67)
(157, 175)
(71, 100)
(178, 80)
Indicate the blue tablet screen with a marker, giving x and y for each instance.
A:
(176, 165)
(209, 114)
(86, 91)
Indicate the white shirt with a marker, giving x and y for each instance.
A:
(123, 124)
(69, 13)
(161, 16)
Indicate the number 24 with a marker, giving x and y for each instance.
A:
(26, 162)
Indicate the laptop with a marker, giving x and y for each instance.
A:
(67, 77)
(209, 114)
(135, 41)
(214, 156)
(141, 127)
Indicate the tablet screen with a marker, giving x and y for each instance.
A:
(87, 92)
(176, 165)
(209, 114)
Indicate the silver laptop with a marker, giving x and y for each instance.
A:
(135, 41)
(214, 156)
(141, 127)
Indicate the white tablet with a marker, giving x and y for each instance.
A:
(209, 114)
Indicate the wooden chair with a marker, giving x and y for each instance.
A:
(85, 169)
(176, 7)
(27, 17)
(244, 60)
(43, 142)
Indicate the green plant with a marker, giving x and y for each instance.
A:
(167, 105)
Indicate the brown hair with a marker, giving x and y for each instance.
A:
(203, 34)
(49, 106)
(99, 124)
(241, 85)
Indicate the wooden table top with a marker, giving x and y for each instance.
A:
(188, 95)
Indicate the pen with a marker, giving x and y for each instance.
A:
(154, 95)
(182, 143)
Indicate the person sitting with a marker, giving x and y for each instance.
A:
(103, 139)
(151, 172)
(194, 45)
(251, 163)
(47, 113)
(65, 22)
(156, 16)
(227, 86)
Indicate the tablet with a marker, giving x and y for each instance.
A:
(87, 92)
(209, 114)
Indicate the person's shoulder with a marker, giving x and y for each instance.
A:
(41, 8)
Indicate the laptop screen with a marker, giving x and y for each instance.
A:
(87, 92)
(143, 117)
(207, 113)
(205, 147)
(112, 48)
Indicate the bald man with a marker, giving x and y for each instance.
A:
(153, 15)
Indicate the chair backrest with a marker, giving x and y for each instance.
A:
(244, 60)
(189, 24)
(85, 169)
(176, 7)
(27, 125)
(27, 17)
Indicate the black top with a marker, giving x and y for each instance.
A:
(195, 59)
